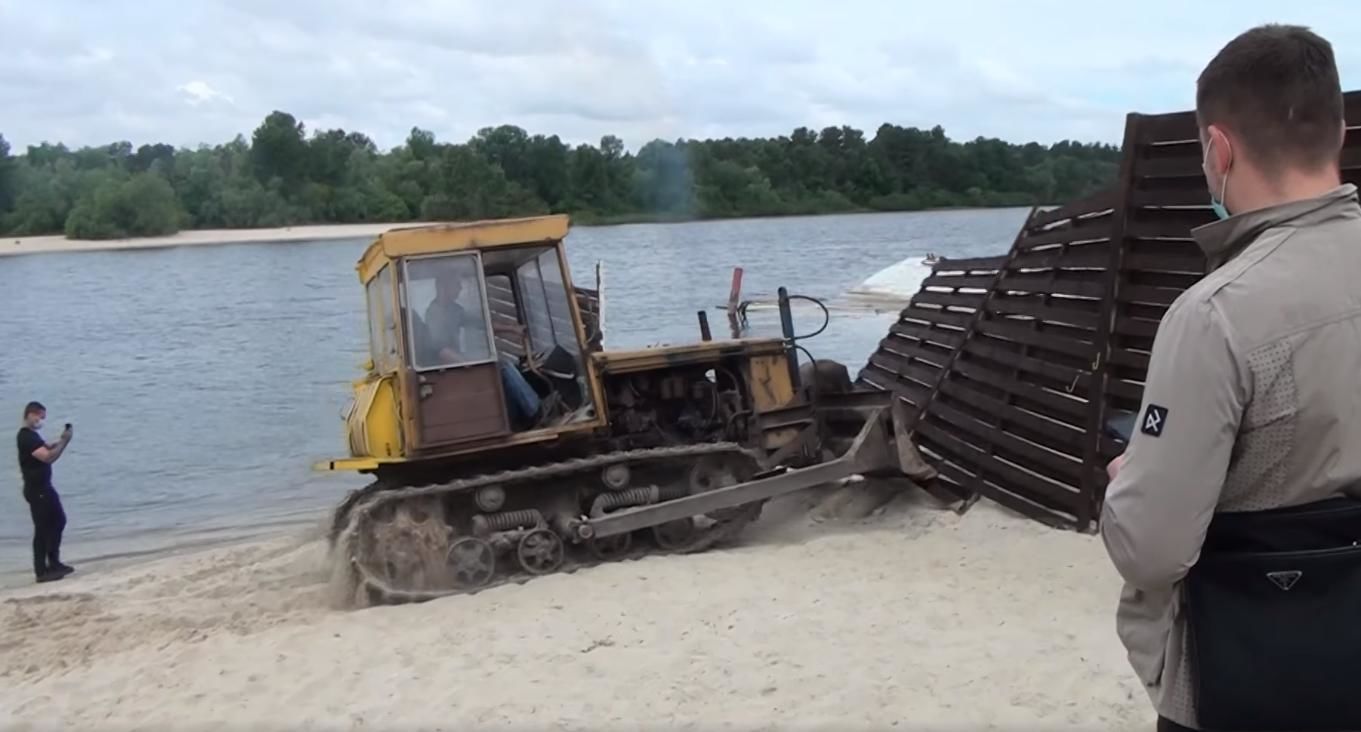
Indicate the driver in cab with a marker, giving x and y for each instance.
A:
(448, 322)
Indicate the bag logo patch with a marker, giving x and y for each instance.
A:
(1285, 579)
(1155, 417)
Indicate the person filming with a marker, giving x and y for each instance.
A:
(36, 457)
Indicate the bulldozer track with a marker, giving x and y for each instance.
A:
(359, 506)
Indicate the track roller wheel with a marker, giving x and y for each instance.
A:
(674, 534)
(471, 562)
(540, 552)
(610, 547)
(615, 477)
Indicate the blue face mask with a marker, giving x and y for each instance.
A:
(1216, 203)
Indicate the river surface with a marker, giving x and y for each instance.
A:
(204, 381)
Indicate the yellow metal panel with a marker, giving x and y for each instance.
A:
(374, 424)
(473, 235)
(452, 237)
(770, 385)
(650, 359)
(349, 464)
(372, 260)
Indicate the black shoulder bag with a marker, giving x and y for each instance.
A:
(1273, 612)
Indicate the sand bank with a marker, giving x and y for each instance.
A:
(914, 619)
(201, 237)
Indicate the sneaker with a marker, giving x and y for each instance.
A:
(63, 569)
(50, 576)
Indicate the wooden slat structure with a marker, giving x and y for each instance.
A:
(1011, 364)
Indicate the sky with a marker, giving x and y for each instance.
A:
(89, 72)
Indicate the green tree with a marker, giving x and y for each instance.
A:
(281, 177)
(279, 150)
(7, 182)
(141, 205)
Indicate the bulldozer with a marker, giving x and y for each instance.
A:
(504, 442)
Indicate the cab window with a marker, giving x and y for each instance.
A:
(382, 322)
(446, 312)
(546, 305)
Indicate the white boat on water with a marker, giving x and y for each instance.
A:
(898, 282)
(886, 290)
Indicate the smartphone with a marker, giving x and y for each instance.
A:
(1121, 426)
(68, 425)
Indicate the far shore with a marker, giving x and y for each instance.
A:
(197, 237)
(53, 243)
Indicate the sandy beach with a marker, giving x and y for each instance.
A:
(915, 618)
(200, 237)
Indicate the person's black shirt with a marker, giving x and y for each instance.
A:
(37, 474)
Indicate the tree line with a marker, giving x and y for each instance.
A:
(282, 176)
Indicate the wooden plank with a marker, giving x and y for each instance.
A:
(1170, 126)
(1189, 262)
(926, 352)
(955, 479)
(1078, 379)
(970, 300)
(1136, 326)
(1125, 389)
(1052, 313)
(949, 338)
(1189, 166)
(1028, 508)
(1045, 462)
(1167, 280)
(1170, 192)
(1064, 408)
(969, 264)
(952, 281)
(1047, 327)
(1161, 232)
(930, 354)
(1036, 487)
(1093, 203)
(900, 366)
(1067, 283)
(1132, 359)
(1058, 435)
(1092, 256)
(1032, 337)
(936, 315)
(1148, 295)
(1164, 223)
(1093, 230)
(887, 380)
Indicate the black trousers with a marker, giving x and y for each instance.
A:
(49, 520)
(1167, 725)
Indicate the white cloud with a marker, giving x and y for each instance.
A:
(87, 73)
(198, 92)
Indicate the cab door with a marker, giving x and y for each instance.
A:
(453, 377)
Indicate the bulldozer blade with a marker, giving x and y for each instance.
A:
(873, 452)
(910, 461)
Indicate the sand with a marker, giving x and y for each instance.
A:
(201, 237)
(917, 618)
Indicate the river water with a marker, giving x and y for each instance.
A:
(205, 381)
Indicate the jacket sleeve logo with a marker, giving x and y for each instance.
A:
(1155, 418)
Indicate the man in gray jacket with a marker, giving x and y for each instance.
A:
(1253, 396)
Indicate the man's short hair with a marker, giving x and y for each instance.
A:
(1277, 88)
(34, 408)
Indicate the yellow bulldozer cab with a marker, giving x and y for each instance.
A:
(476, 337)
